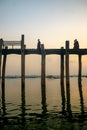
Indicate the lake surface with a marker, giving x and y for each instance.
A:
(43, 107)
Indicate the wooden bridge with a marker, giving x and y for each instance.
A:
(4, 50)
(40, 50)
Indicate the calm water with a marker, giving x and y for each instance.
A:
(37, 107)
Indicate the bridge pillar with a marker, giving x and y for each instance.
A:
(62, 80)
(62, 67)
(67, 77)
(4, 68)
(22, 60)
(67, 62)
(1, 43)
(80, 66)
(43, 56)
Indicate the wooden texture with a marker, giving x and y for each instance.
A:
(79, 66)
(47, 51)
(42, 64)
(62, 81)
(1, 43)
(4, 68)
(67, 62)
(67, 78)
(62, 68)
(22, 60)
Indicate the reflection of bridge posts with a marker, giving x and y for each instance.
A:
(23, 103)
(62, 81)
(63, 98)
(81, 95)
(4, 68)
(43, 94)
(3, 111)
(68, 99)
(67, 77)
(80, 83)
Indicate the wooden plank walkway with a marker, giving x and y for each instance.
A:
(47, 51)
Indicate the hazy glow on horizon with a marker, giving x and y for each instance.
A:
(53, 21)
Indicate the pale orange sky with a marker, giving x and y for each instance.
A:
(52, 21)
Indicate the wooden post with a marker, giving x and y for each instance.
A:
(1, 43)
(42, 64)
(80, 66)
(4, 68)
(62, 81)
(62, 67)
(23, 78)
(67, 62)
(22, 60)
(67, 78)
(43, 87)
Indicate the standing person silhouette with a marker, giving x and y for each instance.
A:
(38, 44)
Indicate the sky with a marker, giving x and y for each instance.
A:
(51, 21)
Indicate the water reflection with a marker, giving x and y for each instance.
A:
(3, 101)
(3, 109)
(68, 98)
(44, 119)
(81, 95)
(23, 107)
(65, 106)
(43, 95)
(63, 97)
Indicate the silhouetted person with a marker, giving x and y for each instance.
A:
(76, 44)
(1, 42)
(38, 44)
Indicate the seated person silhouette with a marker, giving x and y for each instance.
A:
(76, 44)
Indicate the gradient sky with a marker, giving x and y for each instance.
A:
(52, 21)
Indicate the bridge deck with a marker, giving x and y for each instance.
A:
(47, 51)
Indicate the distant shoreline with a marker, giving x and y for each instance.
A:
(39, 76)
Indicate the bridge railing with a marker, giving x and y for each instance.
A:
(11, 43)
